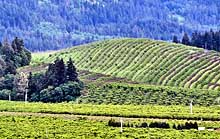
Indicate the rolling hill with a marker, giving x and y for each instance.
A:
(145, 61)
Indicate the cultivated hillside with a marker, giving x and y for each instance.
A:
(148, 61)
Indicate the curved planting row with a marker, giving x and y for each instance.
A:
(213, 64)
(172, 64)
(180, 67)
(205, 64)
(190, 70)
(148, 61)
(156, 66)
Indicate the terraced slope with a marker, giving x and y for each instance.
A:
(148, 61)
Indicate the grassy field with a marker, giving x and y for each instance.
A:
(146, 61)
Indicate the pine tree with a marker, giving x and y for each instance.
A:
(175, 39)
(32, 87)
(59, 72)
(194, 41)
(185, 39)
(71, 73)
(49, 76)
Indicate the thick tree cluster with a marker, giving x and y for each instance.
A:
(13, 56)
(58, 73)
(59, 83)
(209, 40)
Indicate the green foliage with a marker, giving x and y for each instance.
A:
(209, 113)
(137, 94)
(56, 85)
(59, 127)
(7, 82)
(13, 56)
(208, 40)
(71, 73)
(65, 92)
(4, 94)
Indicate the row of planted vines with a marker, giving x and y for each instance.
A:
(131, 111)
(137, 94)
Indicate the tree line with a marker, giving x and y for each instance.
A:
(209, 40)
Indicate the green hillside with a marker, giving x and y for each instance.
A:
(147, 61)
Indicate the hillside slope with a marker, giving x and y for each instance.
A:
(147, 61)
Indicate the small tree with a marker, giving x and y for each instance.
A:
(175, 39)
(185, 39)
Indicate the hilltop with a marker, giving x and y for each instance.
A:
(146, 61)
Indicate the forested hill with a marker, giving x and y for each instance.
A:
(52, 24)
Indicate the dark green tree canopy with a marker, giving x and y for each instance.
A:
(59, 83)
(209, 40)
(185, 39)
(14, 56)
(71, 73)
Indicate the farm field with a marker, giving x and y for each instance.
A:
(145, 61)
(138, 79)
(56, 127)
(130, 111)
(41, 120)
(122, 93)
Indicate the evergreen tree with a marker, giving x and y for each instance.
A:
(71, 73)
(175, 39)
(186, 39)
(59, 73)
(32, 87)
(194, 40)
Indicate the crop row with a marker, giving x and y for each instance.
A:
(134, 94)
(210, 113)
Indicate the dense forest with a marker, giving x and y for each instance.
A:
(209, 40)
(54, 24)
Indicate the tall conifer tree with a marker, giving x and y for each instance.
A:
(71, 73)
